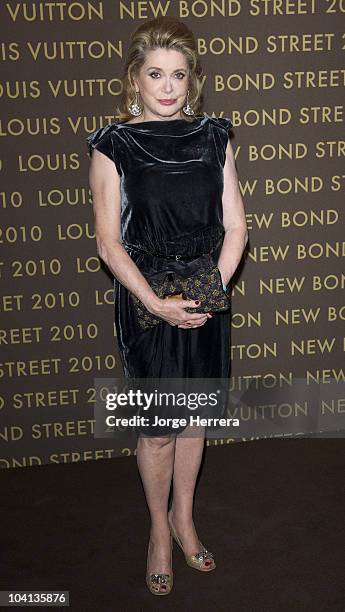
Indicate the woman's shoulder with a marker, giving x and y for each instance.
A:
(100, 133)
(224, 123)
(104, 134)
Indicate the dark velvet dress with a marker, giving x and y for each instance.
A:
(171, 204)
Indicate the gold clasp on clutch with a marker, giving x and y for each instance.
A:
(174, 296)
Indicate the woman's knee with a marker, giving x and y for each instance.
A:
(156, 443)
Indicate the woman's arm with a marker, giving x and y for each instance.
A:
(234, 220)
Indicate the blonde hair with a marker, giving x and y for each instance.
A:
(166, 33)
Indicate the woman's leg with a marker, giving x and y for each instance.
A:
(188, 455)
(155, 459)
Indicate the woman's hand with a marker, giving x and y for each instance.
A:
(173, 311)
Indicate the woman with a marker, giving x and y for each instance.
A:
(165, 189)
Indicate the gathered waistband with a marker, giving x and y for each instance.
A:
(171, 257)
(186, 248)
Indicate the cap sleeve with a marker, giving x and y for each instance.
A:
(221, 127)
(103, 140)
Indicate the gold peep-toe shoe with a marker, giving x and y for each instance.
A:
(154, 580)
(197, 561)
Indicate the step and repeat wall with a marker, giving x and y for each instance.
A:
(276, 69)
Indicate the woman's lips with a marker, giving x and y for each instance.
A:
(167, 102)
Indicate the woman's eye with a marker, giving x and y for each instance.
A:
(182, 75)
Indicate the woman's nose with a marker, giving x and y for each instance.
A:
(168, 86)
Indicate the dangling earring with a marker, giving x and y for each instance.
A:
(134, 108)
(187, 108)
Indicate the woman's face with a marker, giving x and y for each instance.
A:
(163, 77)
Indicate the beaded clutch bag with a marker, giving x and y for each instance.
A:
(204, 285)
